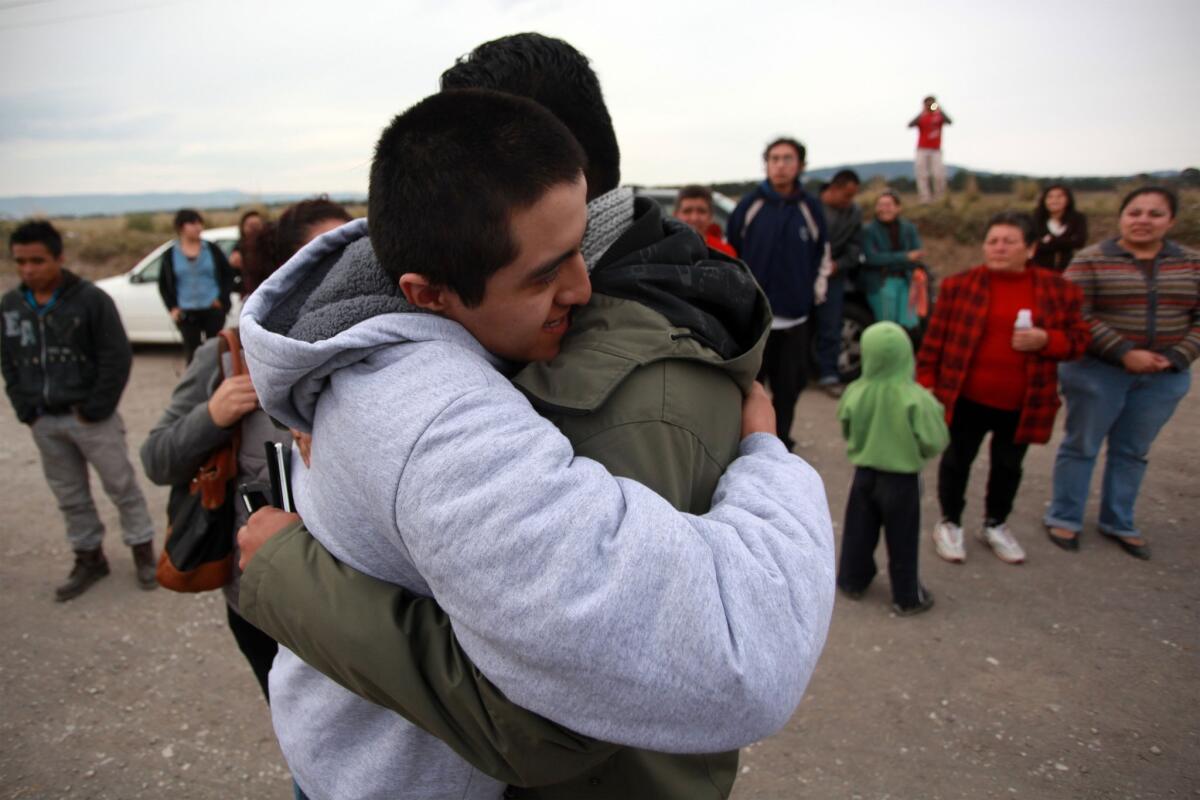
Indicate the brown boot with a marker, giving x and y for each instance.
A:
(143, 559)
(90, 566)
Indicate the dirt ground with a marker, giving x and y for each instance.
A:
(1073, 676)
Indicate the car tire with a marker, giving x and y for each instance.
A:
(856, 316)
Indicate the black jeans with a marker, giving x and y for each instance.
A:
(893, 500)
(197, 326)
(258, 648)
(785, 370)
(972, 421)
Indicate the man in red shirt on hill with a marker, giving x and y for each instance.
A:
(694, 205)
(928, 163)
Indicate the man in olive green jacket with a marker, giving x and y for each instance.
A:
(649, 383)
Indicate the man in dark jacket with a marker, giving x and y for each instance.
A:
(779, 230)
(844, 218)
(66, 361)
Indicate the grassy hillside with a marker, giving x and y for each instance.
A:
(101, 246)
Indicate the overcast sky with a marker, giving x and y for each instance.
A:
(135, 95)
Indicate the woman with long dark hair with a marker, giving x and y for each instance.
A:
(1141, 297)
(204, 411)
(1059, 227)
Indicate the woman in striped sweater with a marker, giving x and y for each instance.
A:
(1140, 294)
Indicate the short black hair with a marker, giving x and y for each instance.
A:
(1013, 219)
(37, 230)
(447, 175)
(1162, 191)
(556, 75)
(801, 152)
(694, 192)
(844, 176)
(185, 215)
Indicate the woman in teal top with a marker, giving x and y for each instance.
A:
(891, 250)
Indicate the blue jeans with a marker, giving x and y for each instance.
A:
(1106, 402)
(829, 329)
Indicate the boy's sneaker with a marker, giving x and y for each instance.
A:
(1002, 542)
(924, 603)
(948, 541)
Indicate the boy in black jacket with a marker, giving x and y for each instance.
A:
(66, 360)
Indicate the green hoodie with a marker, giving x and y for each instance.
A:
(890, 422)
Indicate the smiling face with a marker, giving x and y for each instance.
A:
(1004, 249)
(1145, 221)
(39, 269)
(526, 304)
(886, 208)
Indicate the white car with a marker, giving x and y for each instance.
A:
(141, 307)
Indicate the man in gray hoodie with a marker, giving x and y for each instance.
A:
(458, 489)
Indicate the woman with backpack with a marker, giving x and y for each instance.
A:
(205, 412)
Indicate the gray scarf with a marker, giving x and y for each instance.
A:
(609, 216)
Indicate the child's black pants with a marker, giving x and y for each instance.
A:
(891, 500)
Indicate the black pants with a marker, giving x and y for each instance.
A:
(198, 326)
(971, 423)
(893, 500)
(258, 648)
(785, 371)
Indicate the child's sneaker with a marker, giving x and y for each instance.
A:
(1002, 542)
(924, 603)
(948, 541)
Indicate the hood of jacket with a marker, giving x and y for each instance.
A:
(331, 305)
(887, 353)
(658, 293)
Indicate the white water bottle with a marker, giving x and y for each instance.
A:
(1024, 320)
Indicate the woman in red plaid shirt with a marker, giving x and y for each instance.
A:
(990, 356)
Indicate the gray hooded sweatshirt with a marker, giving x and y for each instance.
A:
(585, 598)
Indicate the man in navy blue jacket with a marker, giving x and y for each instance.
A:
(779, 230)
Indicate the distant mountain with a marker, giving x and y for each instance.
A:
(884, 169)
(83, 205)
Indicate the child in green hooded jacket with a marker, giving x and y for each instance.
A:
(892, 426)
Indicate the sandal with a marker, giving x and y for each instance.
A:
(1141, 551)
(1070, 543)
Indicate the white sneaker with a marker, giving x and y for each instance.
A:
(1002, 542)
(948, 541)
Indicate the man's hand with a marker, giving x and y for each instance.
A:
(303, 444)
(262, 525)
(177, 315)
(1144, 361)
(758, 415)
(233, 399)
(1029, 340)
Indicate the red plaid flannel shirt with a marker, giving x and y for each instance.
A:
(957, 326)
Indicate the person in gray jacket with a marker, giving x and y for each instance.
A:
(844, 220)
(431, 470)
(66, 361)
(204, 411)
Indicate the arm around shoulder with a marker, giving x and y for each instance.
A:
(399, 651)
(714, 621)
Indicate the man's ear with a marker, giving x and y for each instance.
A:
(421, 293)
